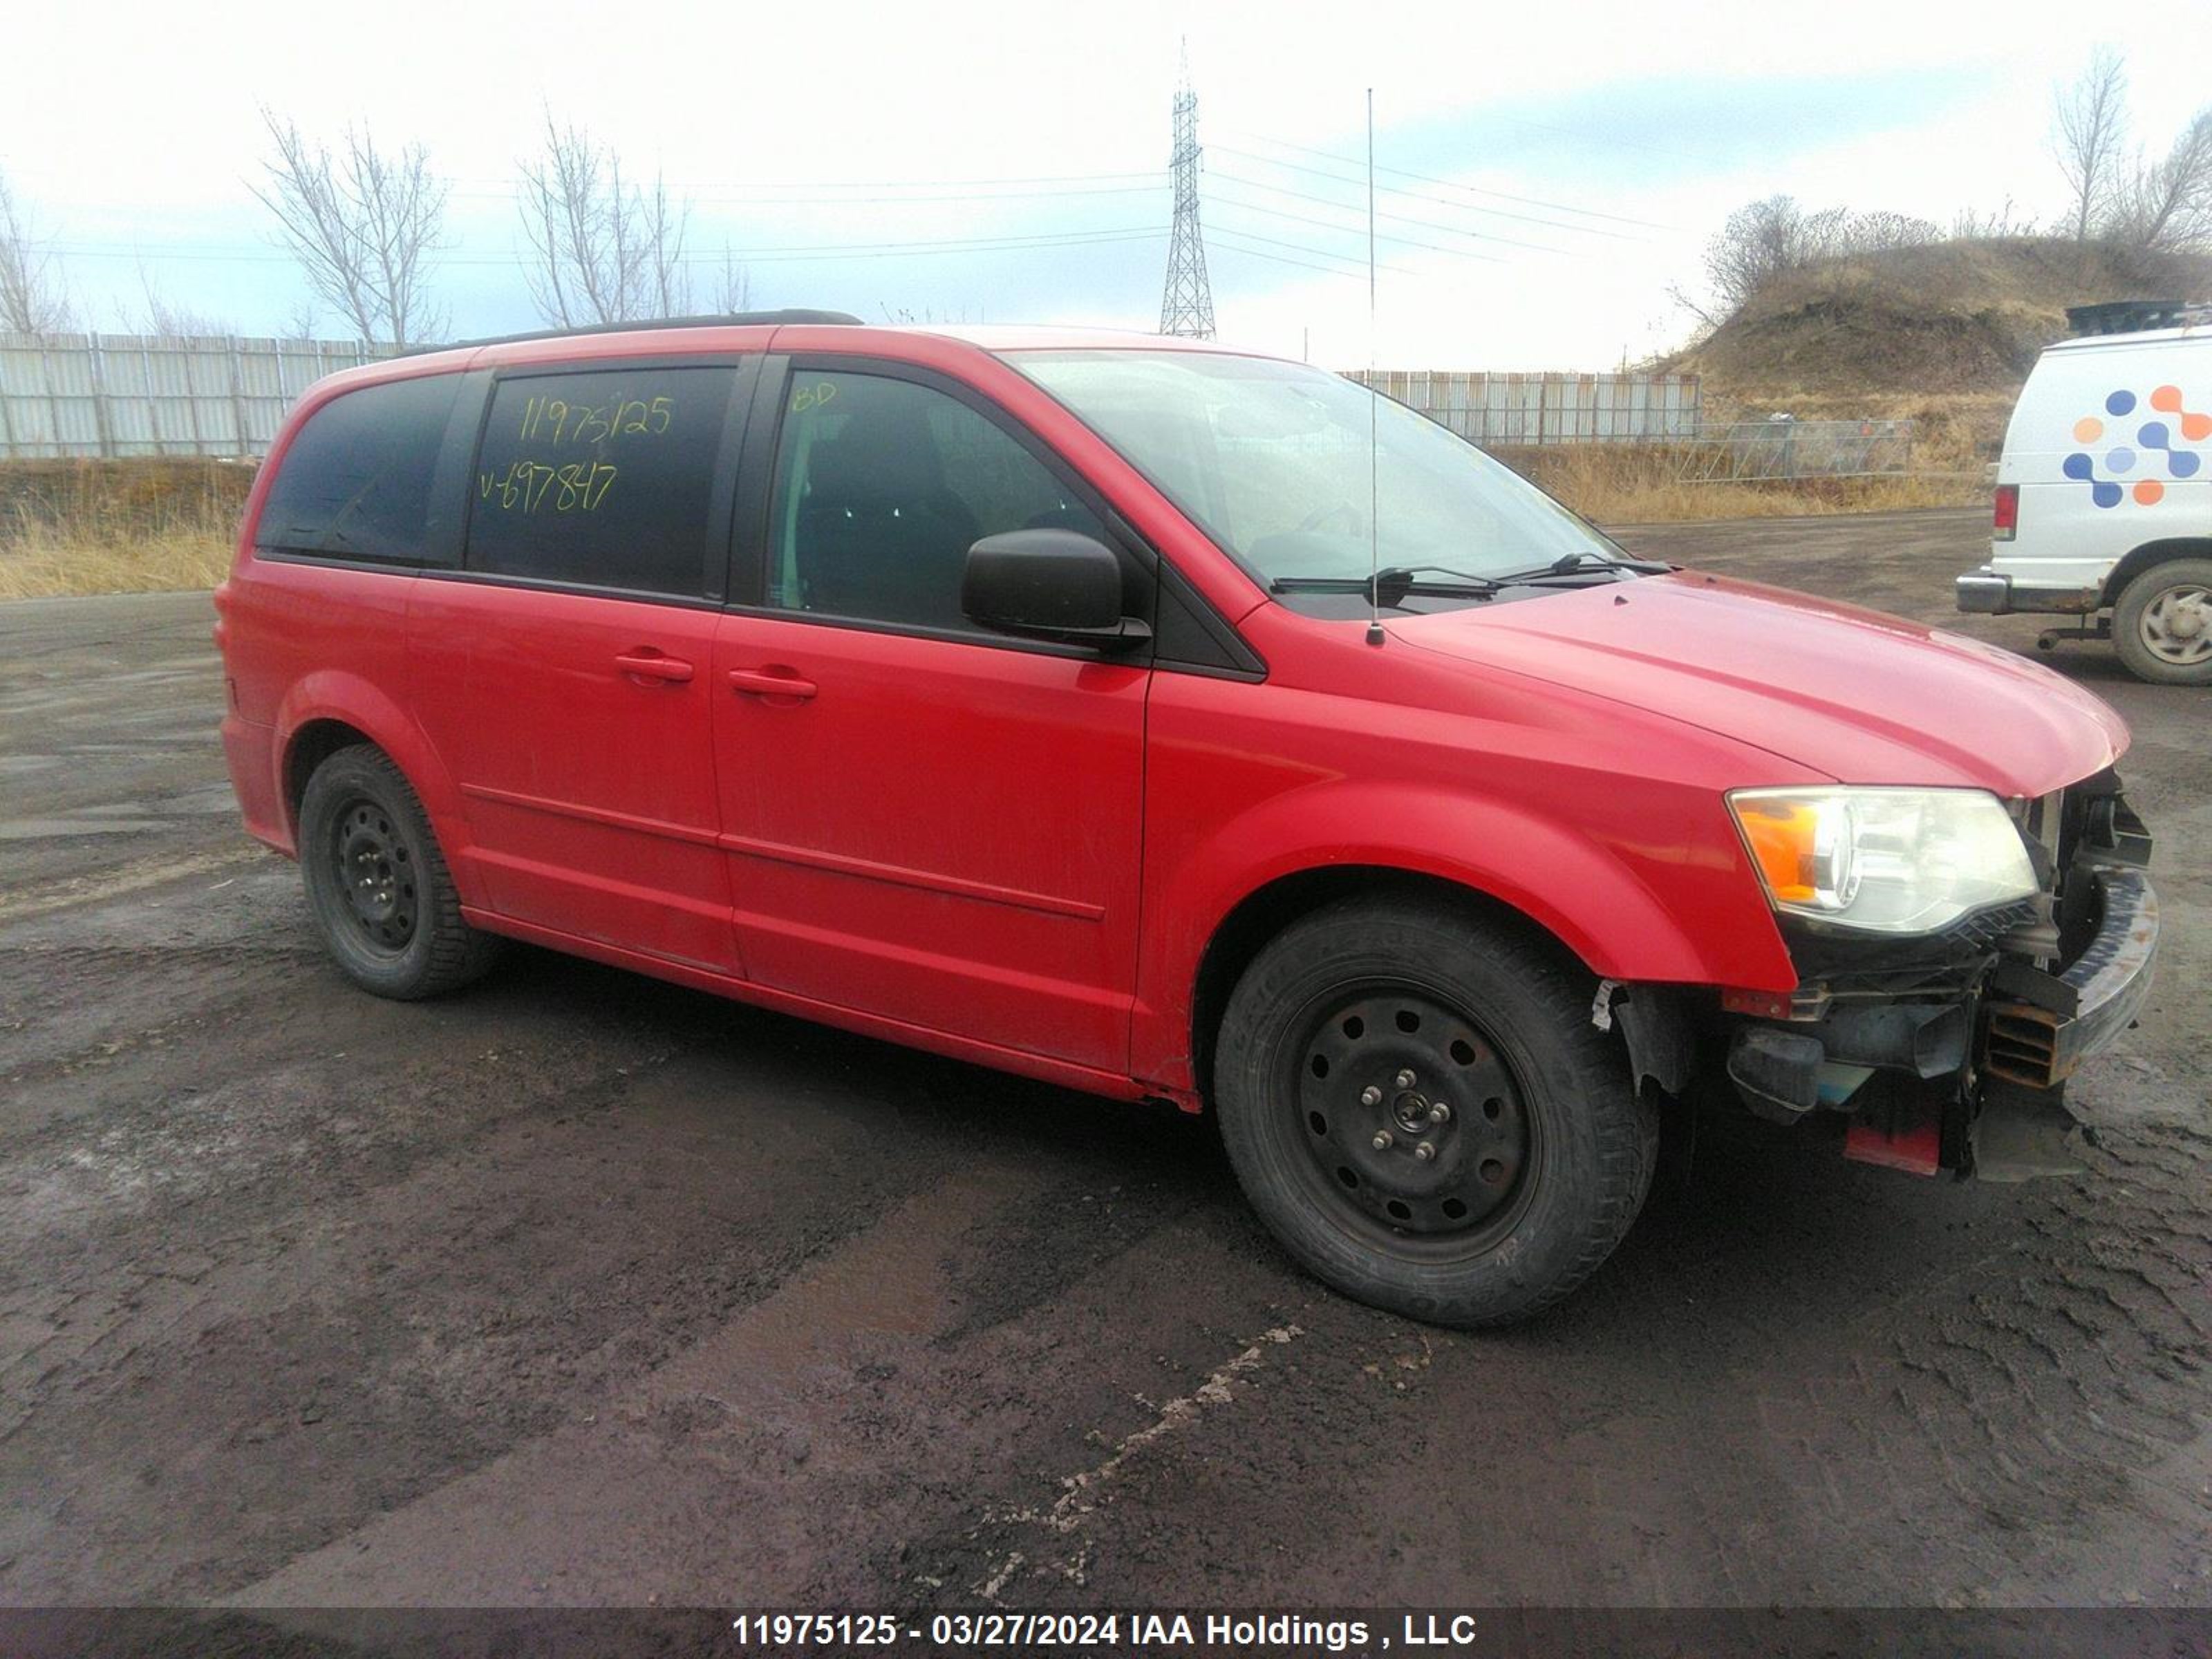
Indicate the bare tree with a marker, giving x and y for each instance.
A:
(1881, 230)
(602, 249)
(31, 297)
(2168, 203)
(733, 288)
(363, 225)
(2090, 129)
(164, 318)
(1760, 241)
(1766, 239)
(1969, 225)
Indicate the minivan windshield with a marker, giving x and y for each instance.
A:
(1272, 461)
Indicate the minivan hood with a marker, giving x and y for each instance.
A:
(1860, 696)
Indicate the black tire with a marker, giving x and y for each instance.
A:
(377, 883)
(1546, 1149)
(2158, 639)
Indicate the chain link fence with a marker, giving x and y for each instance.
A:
(1749, 452)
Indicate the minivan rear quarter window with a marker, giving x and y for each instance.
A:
(604, 479)
(356, 483)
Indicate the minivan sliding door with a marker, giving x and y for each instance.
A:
(565, 671)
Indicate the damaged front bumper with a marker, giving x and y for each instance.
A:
(2040, 1026)
(1961, 1064)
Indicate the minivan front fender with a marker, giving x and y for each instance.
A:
(1682, 906)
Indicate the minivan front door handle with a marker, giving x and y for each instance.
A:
(651, 665)
(771, 682)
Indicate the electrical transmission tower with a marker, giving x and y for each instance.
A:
(1187, 306)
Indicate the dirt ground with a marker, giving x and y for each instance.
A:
(581, 1288)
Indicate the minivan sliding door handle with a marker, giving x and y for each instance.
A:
(651, 665)
(771, 682)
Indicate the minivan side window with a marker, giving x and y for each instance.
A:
(356, 481)
(883, 485)
(605, 478)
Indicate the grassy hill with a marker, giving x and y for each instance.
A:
(1943, 335)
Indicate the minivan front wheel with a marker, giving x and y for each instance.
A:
(2162, 625)
(1415, 1101)
(377, 883)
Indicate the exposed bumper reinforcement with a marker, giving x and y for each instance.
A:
(2038, 1045)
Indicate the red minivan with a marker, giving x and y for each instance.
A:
(1166, 721)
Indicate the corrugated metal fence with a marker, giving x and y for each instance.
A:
(1503, 410)
(127, 394)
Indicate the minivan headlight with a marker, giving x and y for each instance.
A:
(1888, 860)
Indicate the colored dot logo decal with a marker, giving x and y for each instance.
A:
(2154, 440)
(2156, 434)
(2195, 427)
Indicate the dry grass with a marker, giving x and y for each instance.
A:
(125, 526)
(1629, 483)
(46, 565)
(139, 526)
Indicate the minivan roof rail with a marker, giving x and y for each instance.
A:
(728, 319)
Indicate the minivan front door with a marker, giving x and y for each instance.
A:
(926, 823)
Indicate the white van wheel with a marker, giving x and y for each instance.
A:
(2163, 623)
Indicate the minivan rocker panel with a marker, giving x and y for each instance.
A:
(779, 659)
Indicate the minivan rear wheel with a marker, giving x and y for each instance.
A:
(377, 883)
(2162, 625)
(1415, 1101)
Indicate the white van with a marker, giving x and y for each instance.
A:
(2104, 500)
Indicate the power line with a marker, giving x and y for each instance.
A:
(815, 251)
(1311, 253)
(508, 186)
(1395, 218)
(1427, 196)
(691, 198)
(1402, 241)
(1223, 243)
(1453, 184)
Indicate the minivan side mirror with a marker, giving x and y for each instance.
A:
(1051, 584)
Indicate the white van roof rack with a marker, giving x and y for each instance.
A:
(2137, 316)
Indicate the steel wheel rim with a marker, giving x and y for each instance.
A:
(2176, 626)
(1348, 1077)
(376, 876)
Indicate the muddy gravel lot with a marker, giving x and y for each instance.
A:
(581, 1288)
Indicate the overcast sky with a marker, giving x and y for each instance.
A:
(1551, 169)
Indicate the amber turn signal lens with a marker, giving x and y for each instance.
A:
(1781, 836)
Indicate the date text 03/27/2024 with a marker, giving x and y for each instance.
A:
(1242, 1632)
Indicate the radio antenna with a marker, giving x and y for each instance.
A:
(1373, 493)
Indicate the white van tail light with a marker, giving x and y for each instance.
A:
(2006, 524)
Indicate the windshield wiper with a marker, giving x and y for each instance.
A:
(1576, 564)
(1393, 583)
